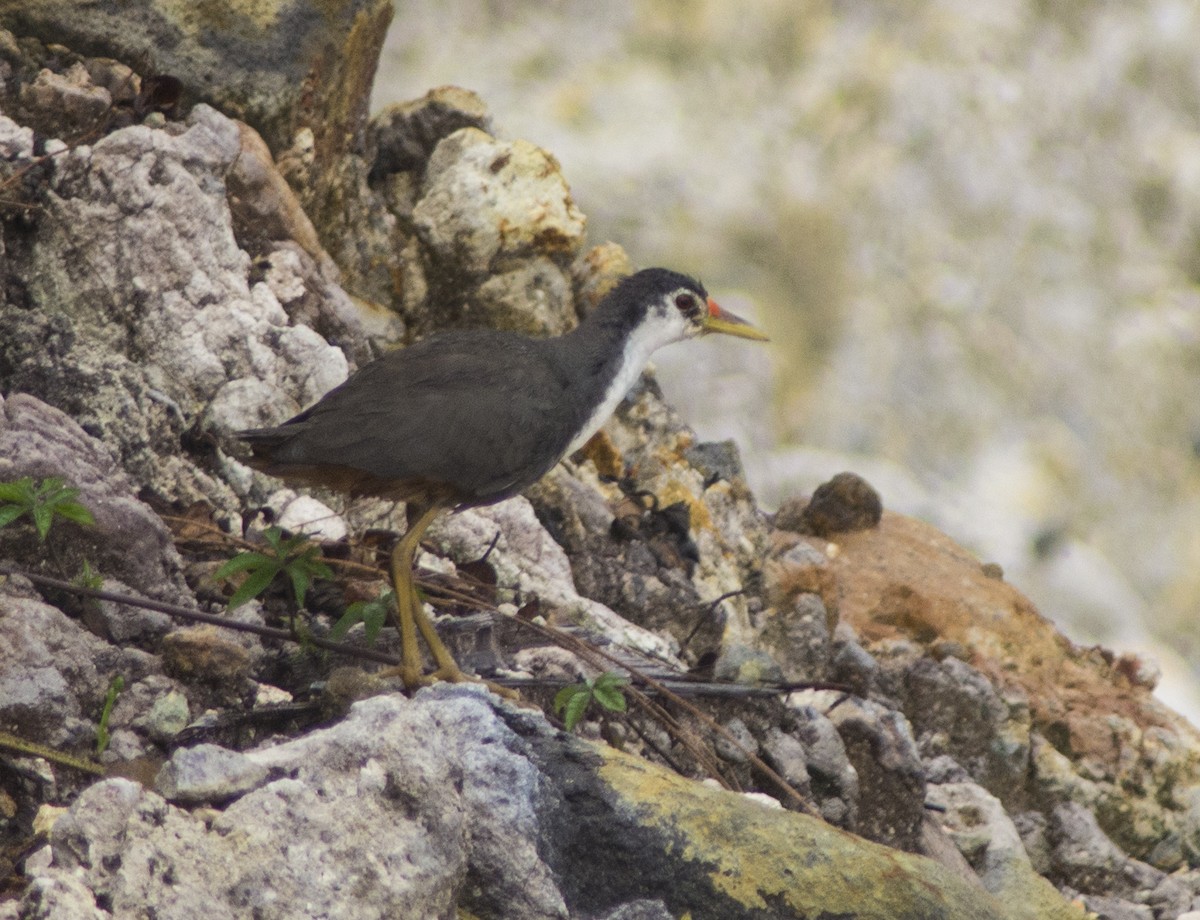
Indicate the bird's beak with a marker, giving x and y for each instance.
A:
(718, 320)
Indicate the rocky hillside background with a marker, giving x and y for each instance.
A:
(973, 233)
(860, 718)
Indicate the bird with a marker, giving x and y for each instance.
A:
(470, 417)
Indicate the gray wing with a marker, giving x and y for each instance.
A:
(480, 412)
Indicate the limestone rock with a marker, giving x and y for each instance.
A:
(487, 203)
(452, 798)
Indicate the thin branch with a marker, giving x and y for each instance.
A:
(268, 632)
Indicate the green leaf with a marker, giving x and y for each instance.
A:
(375, 617)
(9, 513)
(609, 693)
(115, 686)
(255, 584)
(274, 536)
(564, 696)
(42, 516)
(88, 578)
(301, 579)
(242, 562)
(575, 708)
(352, 616)
(19, 491)
(73, 511)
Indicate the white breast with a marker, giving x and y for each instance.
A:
(644, 341)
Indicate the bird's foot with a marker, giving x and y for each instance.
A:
(415, 680)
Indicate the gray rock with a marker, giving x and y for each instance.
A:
(717, 460)
(53, 672)
(125, 623)
(880, 745)
(1116, 908)
(62, 896)
(730, 752)
(128, 541)
(533, 298)
(640, 910)
(260, 74)
(1085, 858)
(452, 801)
(788, 757)
(798, 637)
(208, 774)
(984, 834)
(430, 820)
(850, 663)
(834, 781)
(956, 710)
(137, 368)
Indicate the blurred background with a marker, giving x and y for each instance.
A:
(972, 231)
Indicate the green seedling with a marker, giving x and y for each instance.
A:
(89, 579)
(295, 557)
(42, 502)
(607, 690)
(372, 614)
(102, 736)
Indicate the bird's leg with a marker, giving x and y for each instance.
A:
(410, 611)
(408, 603)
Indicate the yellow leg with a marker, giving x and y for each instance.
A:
(407, 601)
(410, 613)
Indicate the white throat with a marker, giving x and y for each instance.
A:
(645, 340)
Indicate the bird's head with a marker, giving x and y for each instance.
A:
(661, 306)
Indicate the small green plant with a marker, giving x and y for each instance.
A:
(89, 579)
(116, 685)
(42, 502)
(607, 690)
(372, 614)
(295, 557)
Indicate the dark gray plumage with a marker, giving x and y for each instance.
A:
(466, 416)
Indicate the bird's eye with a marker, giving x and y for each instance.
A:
(687, 304)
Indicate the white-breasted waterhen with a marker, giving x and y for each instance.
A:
(470, 417)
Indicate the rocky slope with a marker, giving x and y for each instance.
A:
(917, 740)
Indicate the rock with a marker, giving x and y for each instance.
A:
(534, 298)
(53, 673)
(128, 541)
(208, 774)
(844, 504)
(1084, 857)
(206, 654)
(904, 581)
(798, 636)
(260, 69)
(154, 201)
(404, 135)
(640, 910)
(528, 561)
(833, 779)
(487, 203)
(1117, 909)
(788, 757)
(851, 664)
(880, 746)
(121, 622)
(956, 710)
(737, 728)
(472, 803)
(975, 820)
(717, 460)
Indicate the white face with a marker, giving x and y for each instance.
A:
(676, 317)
